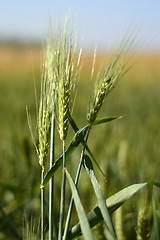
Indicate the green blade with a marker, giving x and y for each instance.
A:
(73, 124)
(156, 184)
(75, 128)
(101, 200)
(105, 120)
(73, 145)
(113, 203)
(80, 210)
(90, 153)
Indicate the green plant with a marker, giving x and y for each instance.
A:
(61, 70)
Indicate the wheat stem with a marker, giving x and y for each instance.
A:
(62, 203)
(51, 183)
(42, 206)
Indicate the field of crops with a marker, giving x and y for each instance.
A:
(126, 149)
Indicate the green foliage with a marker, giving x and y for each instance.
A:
(104, 120)
(113, 203)
(73, 145)
(101, 200)
(81, 213)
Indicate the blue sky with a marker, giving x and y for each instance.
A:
(97, 22)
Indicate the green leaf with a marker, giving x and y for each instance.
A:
(90, 153)
(101, 200)
(104, 120)
(72, 123)
(113, 203)
(73, 145)
(80, 210)
(157, 184)
(75, 128)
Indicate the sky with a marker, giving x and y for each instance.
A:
(98, 23)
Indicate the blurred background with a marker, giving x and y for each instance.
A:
(127, 150)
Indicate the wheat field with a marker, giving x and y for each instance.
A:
(130, 153)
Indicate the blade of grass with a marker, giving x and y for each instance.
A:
(75, 128)
(76, 183)
(105, 120)
(80, 210)
(90, 153)
(72, 147)
(101, 200)
(113, 203)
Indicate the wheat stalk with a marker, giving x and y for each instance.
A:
(68, 71)
(45, 119)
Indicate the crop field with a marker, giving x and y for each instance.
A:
(127, 149)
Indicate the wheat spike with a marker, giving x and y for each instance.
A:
(68, 73)
(142, 226)
(107, 79)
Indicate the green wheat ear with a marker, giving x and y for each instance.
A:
(46, 106)
(68, 69)
(119, 224)
(143, 226)
(106, 80)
